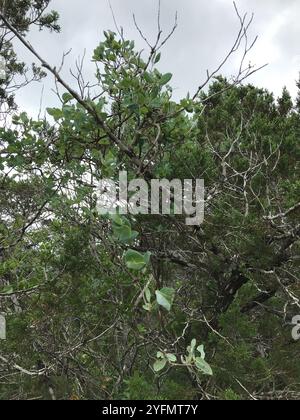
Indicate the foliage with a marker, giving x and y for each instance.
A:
(145, 307)
(22, 14)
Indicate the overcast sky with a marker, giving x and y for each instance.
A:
(206, 31)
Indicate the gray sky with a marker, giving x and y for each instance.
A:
(205, 33)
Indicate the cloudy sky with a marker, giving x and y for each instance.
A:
(206, 32)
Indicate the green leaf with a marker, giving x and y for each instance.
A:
(55, 113)
(165, 78)
(165, 297)
(157, 58)
(148, 77)
(148, 294)
(159, 365)
(99, 53)
(122, 233)
(67, 97)
(147, 307)
(201, 351)
(117, 219)
(147, 257)
(24, 118)
(203, 366)
(134, 235)
(156, 103)
(171, 357)
(193, 345)
(135, 260)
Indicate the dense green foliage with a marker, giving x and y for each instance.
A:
(104, 307)
(23, 15)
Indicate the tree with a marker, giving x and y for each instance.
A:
(298, 97)
(23, 14)
(146, 307)
(285, 103)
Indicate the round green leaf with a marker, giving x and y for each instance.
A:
(166, 78)
(171, 357)
(165, 297)
(135, 260)
(159, 365)
(122, 233)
